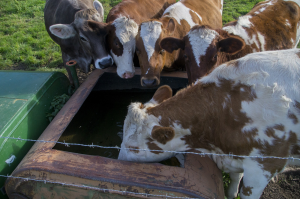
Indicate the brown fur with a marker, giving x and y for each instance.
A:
(162, 134)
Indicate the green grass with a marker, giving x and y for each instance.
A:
(25, 43)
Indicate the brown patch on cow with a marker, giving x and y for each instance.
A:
(279, 127)
(247, 191)
(195, 18)
(297, 106)
(293, 117)
(114, 43)
(134, 149)
(162, 134)
(142, 106)
(152, 146)
(234, 63)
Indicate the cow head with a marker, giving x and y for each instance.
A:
(143, 131)
(204, 49)
(152, 57)
(121, 43)
(83, 30)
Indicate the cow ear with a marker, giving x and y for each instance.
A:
(162, 93)
(99, 27)
(62, 31)
(231, 45)
(171, 26)
(162, 134)
(170, 44)
(98, 6)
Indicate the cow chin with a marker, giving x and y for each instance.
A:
(84, 65)
(143, 156)
(150, 81)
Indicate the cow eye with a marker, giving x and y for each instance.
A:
(162, 51)
(215, 57)
(83, 39)
(117, 45)
(185, 57)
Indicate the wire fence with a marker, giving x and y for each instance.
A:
(124, 192)
(177, 152)
(96, 188)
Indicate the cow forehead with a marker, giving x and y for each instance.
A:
(86, 14)
(200, 39)
(126, 29)
(150, 32)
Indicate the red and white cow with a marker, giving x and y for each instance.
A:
(176, 21)
(122, 27)
(270, 25)
(248, 107)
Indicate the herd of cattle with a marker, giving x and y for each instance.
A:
(241, 100)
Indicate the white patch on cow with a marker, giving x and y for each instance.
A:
(244, 21)
(240, 29)
(262, 41)
(179, 12)
(200, 39)
(264, 72)
(287, 23)
(150, 32)
(221, 10)
(298, 34)
(126, 31)
(257, 182)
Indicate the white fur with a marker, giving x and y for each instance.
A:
(150, 32)
(179, 12)
(262, 41)
(126, 31)
(62, 31)
(221, 10)
(200, 39)
(297, 35)
(287, 23)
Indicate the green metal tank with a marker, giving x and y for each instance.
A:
(25, 99)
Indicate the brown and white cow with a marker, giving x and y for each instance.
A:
(176, 21)
(122, 27)
(246, 107)
(270, 25)
(66, 23)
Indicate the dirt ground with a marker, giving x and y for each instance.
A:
(286, 185)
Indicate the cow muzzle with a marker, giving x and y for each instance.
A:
(104, 62)
(150, 82)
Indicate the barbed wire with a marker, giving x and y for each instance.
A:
(177, 152)
(96, 188)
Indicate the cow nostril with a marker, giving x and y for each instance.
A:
(149, 82)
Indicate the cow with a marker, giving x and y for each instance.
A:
(245, 107)
(121, 28)
(176, 21)
(270, 25)
(66, 23)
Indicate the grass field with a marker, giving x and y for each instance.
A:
(25, 43)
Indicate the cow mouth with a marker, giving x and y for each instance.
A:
(150, 82)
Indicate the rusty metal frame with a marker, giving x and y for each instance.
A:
(200, 177)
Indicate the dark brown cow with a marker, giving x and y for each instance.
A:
(247, 107)
(122, 27)
(176, 21)
(66, 23)
(270, 25)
